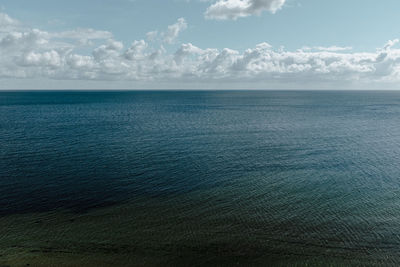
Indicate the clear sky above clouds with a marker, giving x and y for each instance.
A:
(194, 44)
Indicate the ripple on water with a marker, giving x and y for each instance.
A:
(200, 177)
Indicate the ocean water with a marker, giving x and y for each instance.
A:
(199, 178)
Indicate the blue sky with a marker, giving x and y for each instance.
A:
(199, 44)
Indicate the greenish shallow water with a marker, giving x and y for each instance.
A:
(199, 178)
(128, 235)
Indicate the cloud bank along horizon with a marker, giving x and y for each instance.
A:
(85, 54)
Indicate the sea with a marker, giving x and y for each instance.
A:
(199, 178)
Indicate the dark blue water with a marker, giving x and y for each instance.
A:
(315, 170)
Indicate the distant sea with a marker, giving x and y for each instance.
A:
(200, 178)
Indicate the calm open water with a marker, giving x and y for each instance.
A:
(200, 178)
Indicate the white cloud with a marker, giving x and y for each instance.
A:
(7, 23)
(136, 50)
(36, 54)
(82, 35)
(110, 50)
(47, 59)
(6, 20)
(333, 48)
(234, 9)
(173, 31)
(170, 35)
(152, 36)
(24, 40)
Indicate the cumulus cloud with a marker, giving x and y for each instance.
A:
(6, 20)
(170, 35)
(33, 53)
(136, 50)
(24, 40)
(234, 9)
(7, 23)
(173, 30)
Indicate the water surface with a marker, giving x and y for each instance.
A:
(199, 178)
